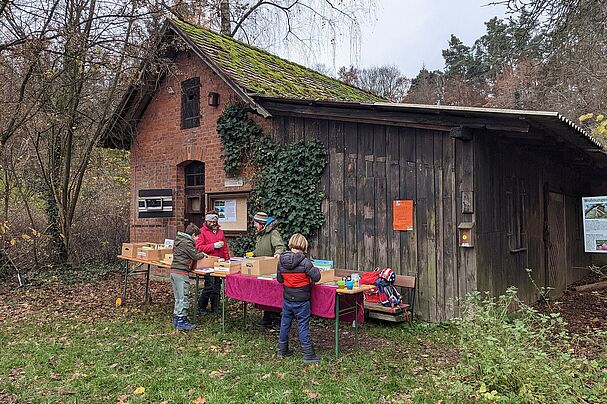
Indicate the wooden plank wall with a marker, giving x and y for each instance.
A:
(500, 165)
(369, 166)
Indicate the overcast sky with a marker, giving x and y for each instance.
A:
(412, 33)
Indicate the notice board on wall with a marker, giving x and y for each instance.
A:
(594, 210)
(402, 215)
(232, 210)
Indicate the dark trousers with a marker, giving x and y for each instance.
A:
(212, 286)
(301, 312)
(211, 290)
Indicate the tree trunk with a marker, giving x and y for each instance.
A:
(224, 15)
(59, 253)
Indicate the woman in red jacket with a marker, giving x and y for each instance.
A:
(213, 242)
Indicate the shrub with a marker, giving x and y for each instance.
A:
(512, 353)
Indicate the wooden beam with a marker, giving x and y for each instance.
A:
(358, 113)
(462, 133)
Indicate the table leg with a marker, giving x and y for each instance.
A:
(244, 313)
(223, 306)
(126, 277)
(356, 320)
(148, 298)
(337, 326)
(196, 293)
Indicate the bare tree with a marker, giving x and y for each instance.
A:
(285, 26)
(386, 81)
(73, 59)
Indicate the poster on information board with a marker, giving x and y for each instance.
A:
(226, 208)
(594, 210)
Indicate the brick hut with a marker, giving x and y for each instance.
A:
(508, 182)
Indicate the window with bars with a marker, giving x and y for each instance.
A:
(190, 103)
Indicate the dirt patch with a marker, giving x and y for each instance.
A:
(584, 312)
(94, 301)
(586, 316)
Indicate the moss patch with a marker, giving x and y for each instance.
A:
(262, 73)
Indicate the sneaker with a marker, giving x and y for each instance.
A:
(183, 324)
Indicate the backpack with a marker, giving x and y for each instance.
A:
(388, 295)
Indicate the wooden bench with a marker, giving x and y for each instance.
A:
(393, 314)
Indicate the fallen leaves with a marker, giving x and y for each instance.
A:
(16, 373)
(312, 395)
(200, 400)
(139, 390)
(217, 374)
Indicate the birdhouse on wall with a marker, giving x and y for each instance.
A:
(466, 235)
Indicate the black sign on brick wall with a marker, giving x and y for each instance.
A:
(155, 203)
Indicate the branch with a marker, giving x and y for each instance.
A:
(256, 6)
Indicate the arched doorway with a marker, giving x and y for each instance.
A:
(194, 193)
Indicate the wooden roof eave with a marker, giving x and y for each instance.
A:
(217, 70)
(130, 104)
(516, 124)
(377, 113)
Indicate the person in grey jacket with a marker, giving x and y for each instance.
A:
(296, 273)
(185, 256)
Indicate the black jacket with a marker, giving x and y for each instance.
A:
(296, 273)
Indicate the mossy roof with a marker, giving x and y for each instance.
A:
(261, 73)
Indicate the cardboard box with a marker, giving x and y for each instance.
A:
(327, 276)
(168, 259)
(153, 254)
(230, 267)
(130, 249)
(208, 262)
(256, 266)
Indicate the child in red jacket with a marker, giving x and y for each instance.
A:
(213, 242)
(297, 274)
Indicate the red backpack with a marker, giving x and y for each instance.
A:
(370, 278)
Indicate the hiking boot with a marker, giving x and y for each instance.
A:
(203, 302)
(183, 324)
(215, 306)
(283, 350)
(309, 356)
(266, 320)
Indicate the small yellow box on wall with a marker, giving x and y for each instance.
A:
(466, 235)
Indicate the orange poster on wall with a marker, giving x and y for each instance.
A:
(402, 215)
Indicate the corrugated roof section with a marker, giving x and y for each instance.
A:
(261, 73)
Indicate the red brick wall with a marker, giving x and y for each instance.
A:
(161, 146)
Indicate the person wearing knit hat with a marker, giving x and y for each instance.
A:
(184, 256)
(261, 218)
(213, 242)
(268, 243)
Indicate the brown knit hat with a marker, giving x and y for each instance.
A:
(192, 229)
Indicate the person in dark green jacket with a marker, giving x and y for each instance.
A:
(184, 257)
(268, 243)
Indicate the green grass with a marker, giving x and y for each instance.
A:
(70, 360)
(69, 343)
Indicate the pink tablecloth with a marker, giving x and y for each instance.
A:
(268, 294)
